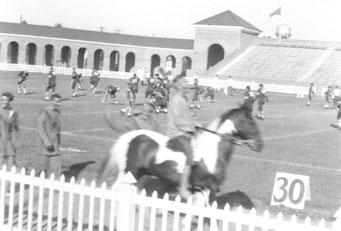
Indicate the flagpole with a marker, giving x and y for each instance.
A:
(273, 22)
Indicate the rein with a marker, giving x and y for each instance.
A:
(233, 139)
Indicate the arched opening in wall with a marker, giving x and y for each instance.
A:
(186, 65)
(155, 63)
(215, 55)
(12, 52)
(49, 55)
(98, 59)
(170, 63)
(130, 61)
(31, 54)
(114, 61)
(66, 56)
(82, 58)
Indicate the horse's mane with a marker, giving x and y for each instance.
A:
(242, 109)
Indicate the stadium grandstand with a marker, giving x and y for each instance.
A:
(224, 45)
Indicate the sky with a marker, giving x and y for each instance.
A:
(308, 19)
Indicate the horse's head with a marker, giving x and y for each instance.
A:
(240, 124)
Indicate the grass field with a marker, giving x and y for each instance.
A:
(298, 139)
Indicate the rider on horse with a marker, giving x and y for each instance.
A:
(180, 128)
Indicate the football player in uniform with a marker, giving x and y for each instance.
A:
(52, 83)
(23, 75)
(111, 91)
(94, 79)
(262, 98)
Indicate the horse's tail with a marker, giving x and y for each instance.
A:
(108, 170)
(112, 168)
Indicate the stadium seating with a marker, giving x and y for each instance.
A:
(276, 63)
(329, 72)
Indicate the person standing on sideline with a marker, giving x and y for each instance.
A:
(311, 93)
(74, 80)
(262, 98)
(52, 82)
(181, 129)
(23, 75)
(8, 130)
(49, 129)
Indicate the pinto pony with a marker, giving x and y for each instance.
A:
(144, 152)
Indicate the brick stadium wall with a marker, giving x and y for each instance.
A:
(142, 54)
(247, 40)
(205, 36)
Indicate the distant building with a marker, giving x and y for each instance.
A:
(216, 38)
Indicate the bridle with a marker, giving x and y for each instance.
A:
(227, 137)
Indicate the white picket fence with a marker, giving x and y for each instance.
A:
(39, 203)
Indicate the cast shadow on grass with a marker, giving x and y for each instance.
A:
(32, 93)
(99, 92)
(335, 126)
(75, 169)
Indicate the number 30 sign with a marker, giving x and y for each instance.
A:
(290, 190)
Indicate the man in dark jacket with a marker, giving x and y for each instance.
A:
(74, 81)
(49, 129)
(8, 130)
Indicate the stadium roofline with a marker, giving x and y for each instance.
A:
(94, 36)
(227, 18)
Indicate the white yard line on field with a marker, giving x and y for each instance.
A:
(280, 162)
(84, 113)
(68, 113)
(299, 134)
(69, 133)
(91, 137)
(89, 130)
(70, 149)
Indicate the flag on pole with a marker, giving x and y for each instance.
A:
(276, 12)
